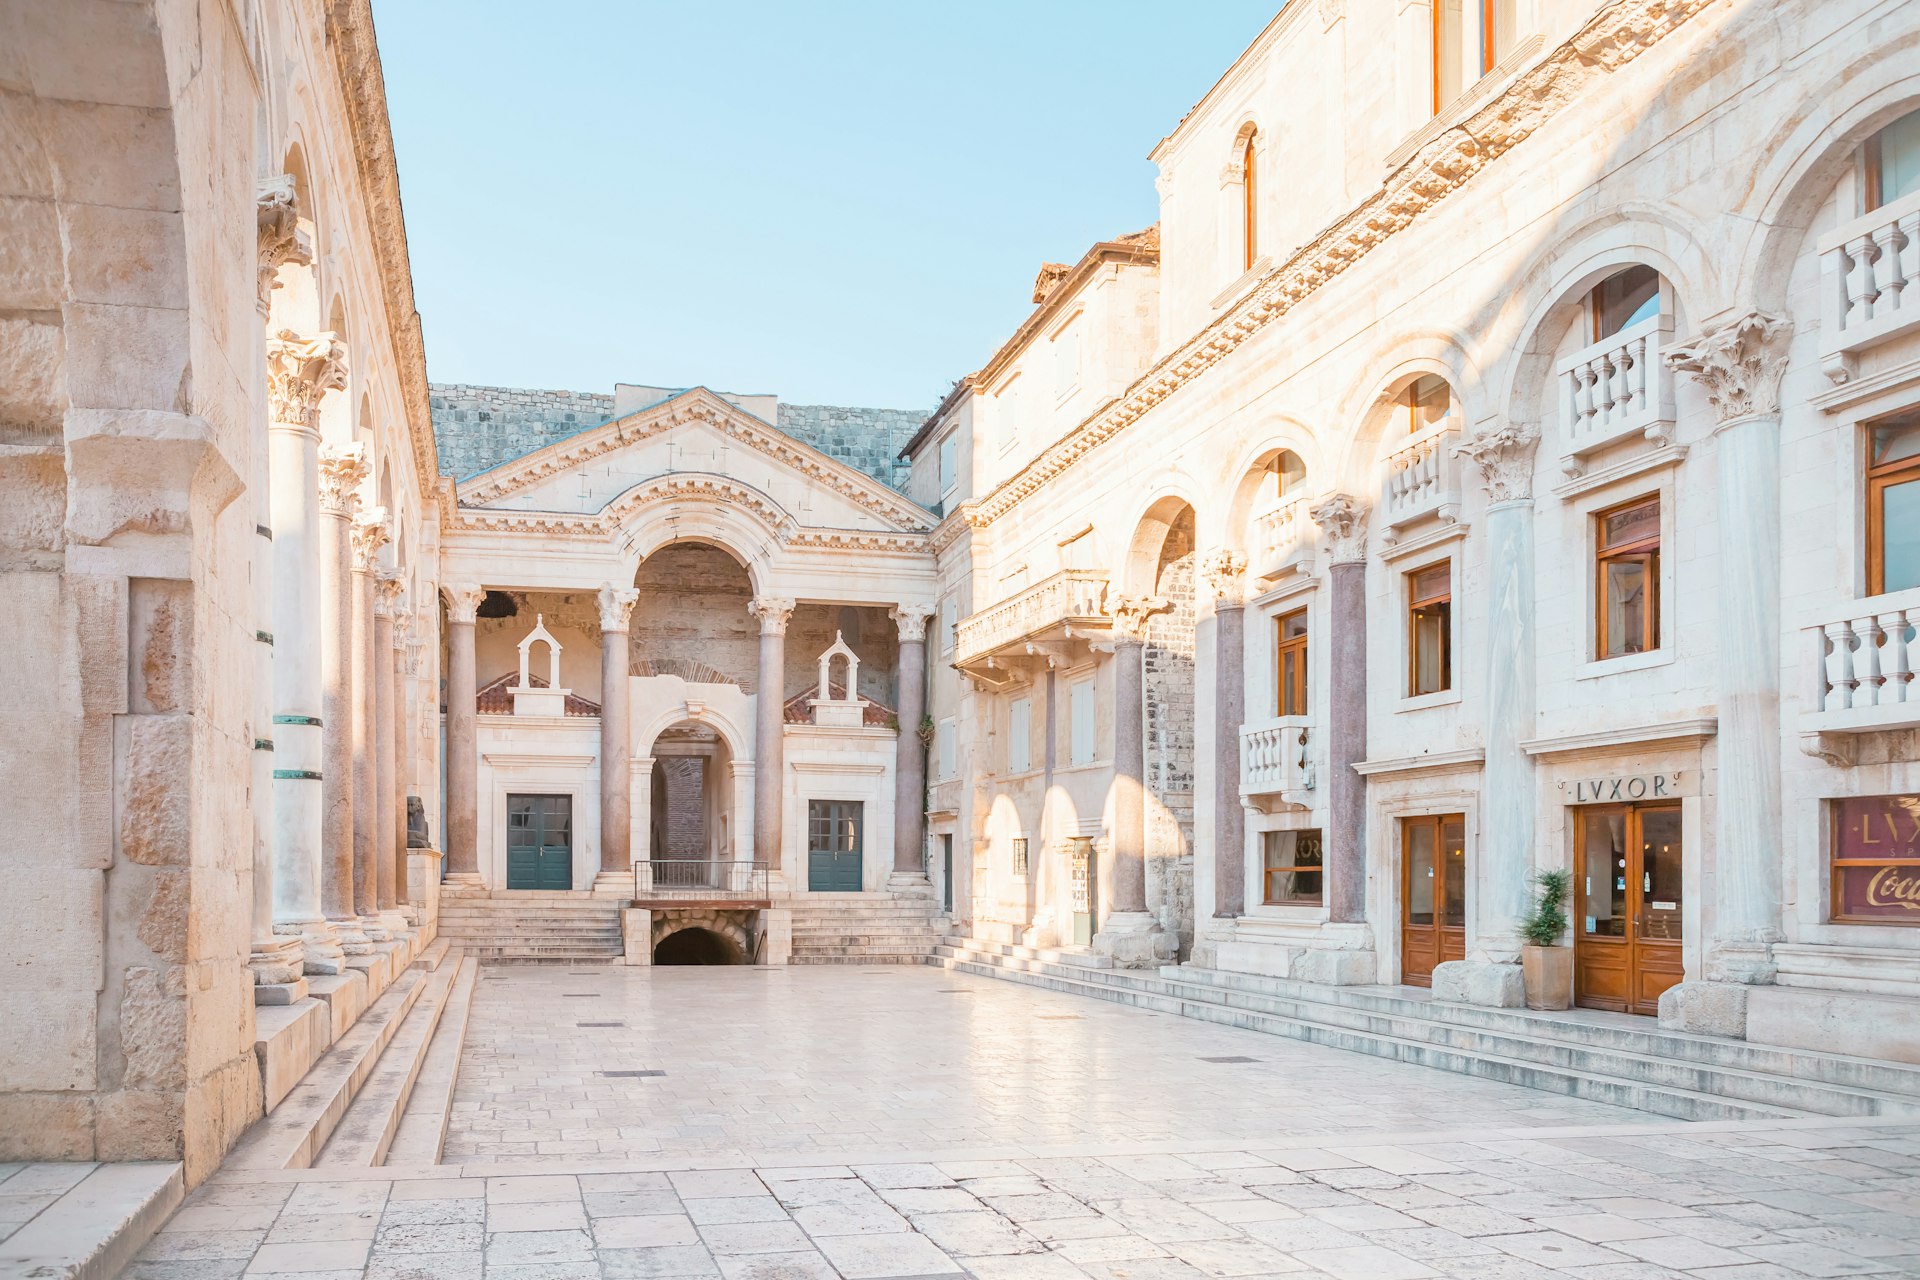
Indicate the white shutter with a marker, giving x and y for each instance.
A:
(1080, 697)
(943, 736)
(1020, 735)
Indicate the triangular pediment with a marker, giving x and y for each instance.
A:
(694, 432)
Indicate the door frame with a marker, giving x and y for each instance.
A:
(860, 840)
(1412, 793)
(1675, 951)
(573, 828)
(1443, 952)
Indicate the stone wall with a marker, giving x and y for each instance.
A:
(867, 439)
(693, 609)
(1169, 660)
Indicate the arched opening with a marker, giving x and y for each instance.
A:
(1268, 519)
(1250, 202)
(692, 615)
(690, 820)
(697, 946)
(1164, 560)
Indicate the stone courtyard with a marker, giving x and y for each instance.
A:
(736, 1122)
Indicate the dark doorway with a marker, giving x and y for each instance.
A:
(696, 946)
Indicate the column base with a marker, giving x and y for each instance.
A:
(274, 959)
(1135, 940)
(913, 884)
(352, 938)
(321, 954)
(1706, 1008)
(1744, 961)
(394, 921)
(1482, 982)
(614, 884)
(270, 994)
(375, 927)
(465, 881)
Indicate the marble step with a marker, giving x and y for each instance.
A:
(1048, 955)
(422, 1131)
(1676, 1102)
(361, 1138)
(104, 1215)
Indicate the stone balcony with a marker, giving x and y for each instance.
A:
(1274, 759)
(1617, 389)
(1864, 656)
(1066, 606)
(1869, 283)
(1423, 481)
(1283, 539)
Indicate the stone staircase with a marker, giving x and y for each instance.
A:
(517, 926)
(866, 929)
(1601, 1057)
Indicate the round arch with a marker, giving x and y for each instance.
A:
(1153, 520)
(699, 507)
(1405, 357)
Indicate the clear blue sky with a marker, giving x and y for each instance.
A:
(841, 202)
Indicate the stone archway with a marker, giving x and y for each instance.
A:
(696, 946)
(707, 936)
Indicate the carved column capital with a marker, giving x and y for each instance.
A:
(616, 606)
(281, 240)
(911, 619)
(389, 596)
(402, 615)
(1131, 615)
(1343, 519)
(1226, 572)
(462, 599)
(299, 372)
(1505, 458)
(1739, 363)
(773, 612)
(371, 532)
(342, 469)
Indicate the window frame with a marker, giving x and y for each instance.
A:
(1646, 550)
(1022, 857)
(1249, 201)
(1872, 168)
(1290, 692)
(1268, 869)
(1020, 734)
(1836, 864)
(1075, 688)
(1878, 479)
(1414, 604)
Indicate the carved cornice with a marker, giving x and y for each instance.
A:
(281, 240)
(462, 599)
(911, 619)
(1343, 519)
(1739, 363)
(773, 613)
(343, 468)
(371, 532)
(1613, 37)
(1132, 614)
(1505, 458)
(616, 606)
(299, 372)
(1226, 573)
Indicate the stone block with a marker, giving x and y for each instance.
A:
(1869, 1025)
(1131, 946)
(153, 1031)
(268, 995)
(636, 935)
(32, 358)
(60, 909)
(29, 255)
(376, 966)
(154, 823)
(46, 1126)
(345, 996)
(140, 1124)
(1481, 982)
(287, 1041)
(49, 1041)
(1706, 1008)
(1336, 968)
(119, 156)
(776, 926)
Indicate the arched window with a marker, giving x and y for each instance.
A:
(1623, 299)
(1893, 162)
(1250, 206)
(1427, 400)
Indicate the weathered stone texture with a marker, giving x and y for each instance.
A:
(155, 826)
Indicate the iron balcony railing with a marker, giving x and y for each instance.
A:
(699, 878)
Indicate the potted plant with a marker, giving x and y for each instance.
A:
(1546, 966)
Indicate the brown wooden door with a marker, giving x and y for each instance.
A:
(1433, 894)
(1627, 906)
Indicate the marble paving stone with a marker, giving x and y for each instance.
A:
(645, 1231)
(877, 1257)
(668, 1262)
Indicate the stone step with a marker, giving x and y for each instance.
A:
(361, 1139)
(295, 1132)
(435, 952)
(103, 1217)
(422, 1132)
(878, 958)
(1050, 955)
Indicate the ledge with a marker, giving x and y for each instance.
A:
(1698, 730)
(1419, 764)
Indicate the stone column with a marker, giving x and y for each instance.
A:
(769, 731)
(1500, 870)
(1226, 573)
(399, 722)
(910, 758)
(389, 879)
(299, 372)
(463, 744)
(342, 468)
(370, 534)
(616, 743)
(1739, 363)
(1343, 952)
(1130, 934)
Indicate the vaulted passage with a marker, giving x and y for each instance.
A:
(697, 946)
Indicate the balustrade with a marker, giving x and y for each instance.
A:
(698, 879)
(1869, 282)
(1070, 596)
(1864, 664)
(1423, 479)
(1616, 389)
(1274, 758)
(1282, 537)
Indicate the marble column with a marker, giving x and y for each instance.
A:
(1739, 364)
(769, 732)
(1226, 573)
(463, 746)
(370, 534)
(1343, 953)
(616, 743)
(399, 722)
(1500, 870)
(1130, 934)
(300, 371)
(910, 758)
(342, 469)
(389, 880)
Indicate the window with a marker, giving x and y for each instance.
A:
(1449, 27)
(1627, 579)
(1250, 204)
(1430, 630)
(949, 464)
(1462, 55)
(1893, 161)
(1893, 503)
(944, 746)
(1080, 718)
(1291, 670)
(1624, 299)
(1292, 866)
(1876, 859)
(1020, 735)
(1020, 855)
(1427, 401)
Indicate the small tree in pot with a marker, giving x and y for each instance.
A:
(1546, 966)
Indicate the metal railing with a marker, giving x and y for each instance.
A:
(699, 878)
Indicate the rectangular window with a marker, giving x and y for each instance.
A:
(1080, 717)
(1292, 866)
(1498, 18)
(949, 625)
(944, 744)
(1291, 670)
(1066, 359)
(1876, 859)
(1893, 161)
(1449, 51)
(1020, 855)
(1627, 579)
(1893, 503)
(1624, 298)
(949, 465)
(1430, 630)
(1020, 735)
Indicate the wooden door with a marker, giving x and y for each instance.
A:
(836, 834)
(1627, 906)
(540, 842)
(1433, 894)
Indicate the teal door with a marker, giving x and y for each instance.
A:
(836, 830)
(539, 842)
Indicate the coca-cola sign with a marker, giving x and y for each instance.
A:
(1876, 859)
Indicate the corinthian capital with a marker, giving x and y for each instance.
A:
(1343, 519)
(342, 469)
(371, 531)
(281, 239)
(402, 616)
(1226, 572)
(462, 599)
(1505, 458)
(1131, 614)
(389, 596)
(911, 619)
(1739, 363)
(773, 612)
(299, 372)
(616, 606)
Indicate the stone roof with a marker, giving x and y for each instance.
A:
(799, 708)
(494, 700)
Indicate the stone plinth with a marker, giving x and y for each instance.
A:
(1135, 940)
(287, 1040)
(776, 930)
(1498, 986)
(636, 934)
